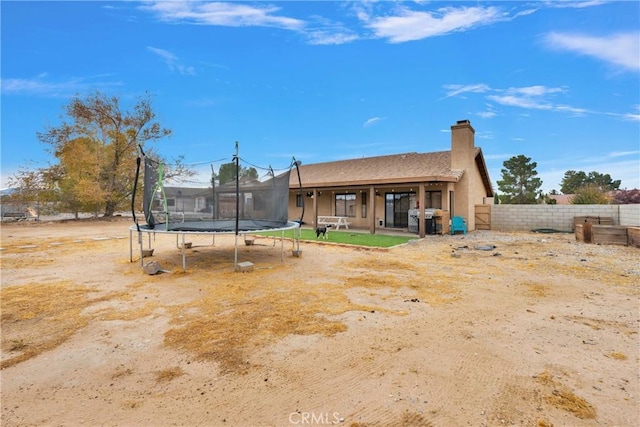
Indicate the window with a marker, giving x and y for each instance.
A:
(433, 199)
(346, 205)
(299, 201)
(259, 202)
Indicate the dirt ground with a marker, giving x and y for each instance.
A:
(485, 329)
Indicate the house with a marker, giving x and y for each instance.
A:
(256, 198)
(561, 199)
(384, 192)
(186, 199)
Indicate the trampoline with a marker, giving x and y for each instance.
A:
(242, 206)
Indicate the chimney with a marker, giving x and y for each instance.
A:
(462, 145)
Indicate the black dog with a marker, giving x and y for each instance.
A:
(322, 230)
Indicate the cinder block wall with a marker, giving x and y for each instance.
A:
(630, 215)
(558, 217)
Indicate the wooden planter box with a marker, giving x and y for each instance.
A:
(609, 234)
(583, 232)
(633, 236)
(600, 220)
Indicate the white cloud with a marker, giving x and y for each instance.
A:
(484, 135)
(535, 90)
(521, 101)
(576, 111)
(635, 117)
(172, 61)
(622, 49)
(536, 97)
(43, 86)
(371, 122)
(455, 90)
(224, 14)
(409, 25)
(231, 14)
(623, 153)
(168, 56)
(486, 114)
(574, 4)
(322, 37)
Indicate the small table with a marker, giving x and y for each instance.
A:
(334, 221)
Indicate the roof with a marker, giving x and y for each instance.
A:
(484, 172)
(391, 169)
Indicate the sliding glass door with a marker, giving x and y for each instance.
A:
(396, 209)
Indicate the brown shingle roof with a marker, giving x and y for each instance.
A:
(391, 169)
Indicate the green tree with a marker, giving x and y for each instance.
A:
(573, 180)
(590, 194)
(227, 172)
(97, 131)
(519, 184)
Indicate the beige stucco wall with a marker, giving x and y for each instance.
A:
(325, 205)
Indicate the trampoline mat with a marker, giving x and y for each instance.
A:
(224, 226)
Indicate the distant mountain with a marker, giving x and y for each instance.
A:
(7, 191)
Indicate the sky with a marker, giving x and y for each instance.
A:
(556, 81)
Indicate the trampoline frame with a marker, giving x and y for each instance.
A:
(290, 225)
(207, 227)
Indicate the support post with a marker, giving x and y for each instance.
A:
(372, 210)
(422, 218)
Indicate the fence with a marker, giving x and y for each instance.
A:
(558, 217)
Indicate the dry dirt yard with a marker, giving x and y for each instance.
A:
(446, 331)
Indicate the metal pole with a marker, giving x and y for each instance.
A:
(235, 255)
(235, 259)
(184, 261)
(140, 245)
(282, 247)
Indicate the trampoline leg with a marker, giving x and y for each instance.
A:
(281, 246)
(235, 255)
(184, 258)
(141, 252)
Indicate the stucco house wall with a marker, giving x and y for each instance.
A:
(459, 174)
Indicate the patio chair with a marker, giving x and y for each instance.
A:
(458, 224)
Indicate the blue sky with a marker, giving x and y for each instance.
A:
(556, 81)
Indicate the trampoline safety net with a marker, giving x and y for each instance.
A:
(241, 205)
